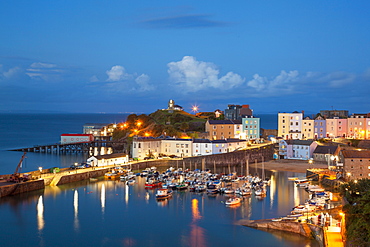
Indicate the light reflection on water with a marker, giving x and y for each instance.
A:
(111, 213)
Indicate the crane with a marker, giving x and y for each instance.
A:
(15, 177)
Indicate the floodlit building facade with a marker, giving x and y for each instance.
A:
(108, 160)
(356, 164)
(290, 125)
(222, 129)
(308, 128)
(251, 128)
(319, 127)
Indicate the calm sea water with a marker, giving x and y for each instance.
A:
(110, 213)
(28, 130)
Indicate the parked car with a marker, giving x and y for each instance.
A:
(79, 166)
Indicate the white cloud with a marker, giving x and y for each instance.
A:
(43, 65)
(122, 81)
(284, 81)
(292, 82)
(11, 72)
(143, 82)
(94, 78)
(192, 75)
(45, 71)
(117, 73)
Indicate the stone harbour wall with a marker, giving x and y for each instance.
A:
(17, 188)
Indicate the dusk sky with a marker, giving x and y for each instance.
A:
(133, 56)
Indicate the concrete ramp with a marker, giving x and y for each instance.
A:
(306, 229)
(55, 180)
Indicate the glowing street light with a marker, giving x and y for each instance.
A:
(195, 108)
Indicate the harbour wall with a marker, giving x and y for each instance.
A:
(304, 229)
(17, 188)
(234, 160)
(70, 178)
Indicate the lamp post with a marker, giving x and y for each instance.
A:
(310, 162)
(40, 169)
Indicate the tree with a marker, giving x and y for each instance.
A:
(357, 211)
(184, 126)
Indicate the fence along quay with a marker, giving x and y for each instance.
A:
(80, 147)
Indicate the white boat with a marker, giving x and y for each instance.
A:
(243, 191)
(229, 191)
(306, 208)
(233, 201)
(163, 194)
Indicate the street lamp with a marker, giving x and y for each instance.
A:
(310, 162)
(40, 169)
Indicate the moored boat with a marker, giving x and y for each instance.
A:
(233, 201)
(150, 184)
(111, 175)
(163, 194)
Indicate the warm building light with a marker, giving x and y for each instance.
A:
(147, 134)
(139, 123)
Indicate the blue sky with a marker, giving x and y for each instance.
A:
(133, 56)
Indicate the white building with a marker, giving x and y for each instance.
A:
(178, 147)
(154, 147)
(202, 147)
(290, 125)
(146, 147)
(75, 138)
(296, 149)
(117, 159)
(227, 145)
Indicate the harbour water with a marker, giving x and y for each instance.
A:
(110, 213)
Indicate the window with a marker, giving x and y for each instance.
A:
(214, 127)
(139, 145)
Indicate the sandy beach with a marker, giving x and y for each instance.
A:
(289, 165)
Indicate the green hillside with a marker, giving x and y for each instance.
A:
(161, 122)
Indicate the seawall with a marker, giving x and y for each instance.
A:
(302, 228)
(70, 178)
(17, 188)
